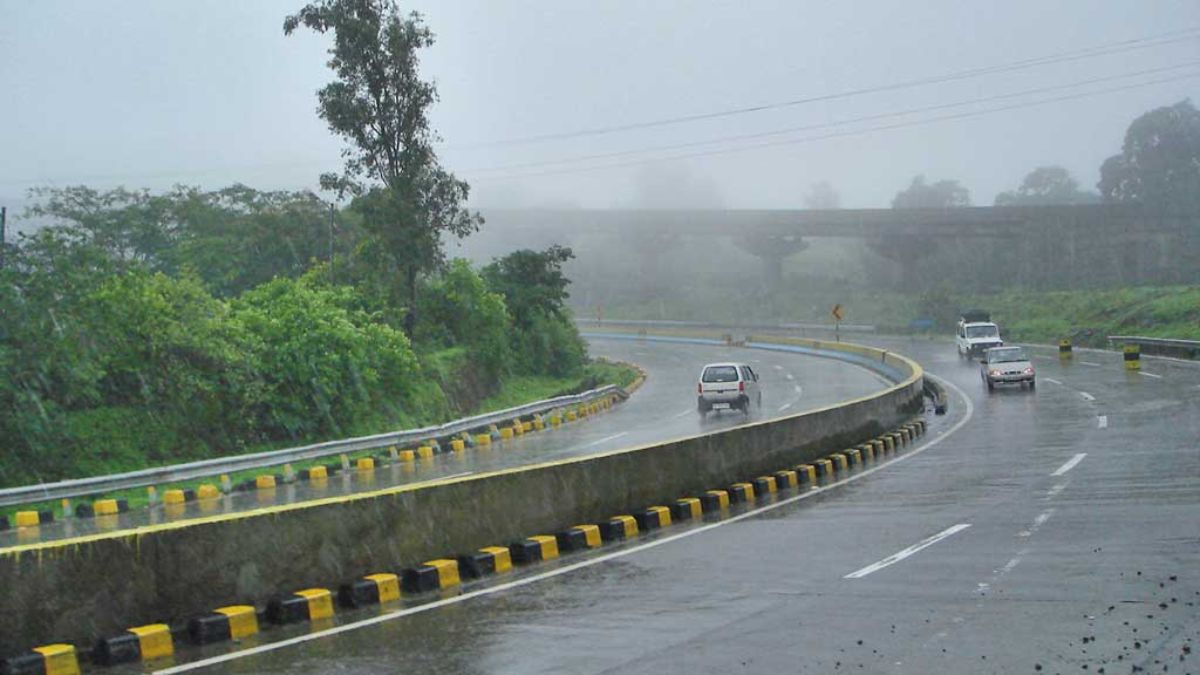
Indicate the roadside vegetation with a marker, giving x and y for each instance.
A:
(118, 356)
(143, 329)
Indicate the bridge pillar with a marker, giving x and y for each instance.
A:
(908, 252)
(772, 250)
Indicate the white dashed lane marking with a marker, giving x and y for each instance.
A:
(901, 555)
(606, 439)
(1069, 464)
(1037, 522)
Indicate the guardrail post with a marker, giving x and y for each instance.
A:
(1133, 357)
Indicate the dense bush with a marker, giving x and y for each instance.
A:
(458, 309)
(322, 369)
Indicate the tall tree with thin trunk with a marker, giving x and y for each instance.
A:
(379, 104)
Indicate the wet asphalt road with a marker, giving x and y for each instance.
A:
(1069, 520)
(664, 408)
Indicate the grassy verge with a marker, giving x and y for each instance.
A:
(1088, 316)
(519, 390)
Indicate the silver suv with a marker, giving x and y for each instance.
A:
(727, 386)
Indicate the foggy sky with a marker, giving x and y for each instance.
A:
(150, 93)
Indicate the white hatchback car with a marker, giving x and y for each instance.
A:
(727, 386)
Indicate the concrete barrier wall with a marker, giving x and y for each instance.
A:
(76, 590)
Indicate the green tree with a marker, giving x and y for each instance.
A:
(534, 287)
(1047, 185)
(129, 225)
(457, 308)
(1159, 163)
(237, 238)
(379, 104)
(532, 283)
(943, 194)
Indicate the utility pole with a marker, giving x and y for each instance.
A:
(3, 233)
(331, 210)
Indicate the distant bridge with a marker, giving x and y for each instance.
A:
(980, 221)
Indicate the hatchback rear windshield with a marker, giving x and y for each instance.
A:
(720, 374)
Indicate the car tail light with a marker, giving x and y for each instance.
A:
(699, 388)
(741, 386)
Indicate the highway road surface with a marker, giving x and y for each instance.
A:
(664, 408)
(1047, 531)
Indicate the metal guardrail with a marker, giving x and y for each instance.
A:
(222, 465)
(1166, 346)
(667, 323)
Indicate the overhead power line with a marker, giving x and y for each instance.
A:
(1108, 49)
(836, 123)
(1145, 42)
(840, 134)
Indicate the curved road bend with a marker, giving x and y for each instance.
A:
(664, 408)
(1052, 531)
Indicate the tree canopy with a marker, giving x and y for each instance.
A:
(943, 194)
(379, 104)
(1047, 185)
(532, 282)
(1159, 162)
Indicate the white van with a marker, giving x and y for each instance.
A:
(975, 334)
(727, 386)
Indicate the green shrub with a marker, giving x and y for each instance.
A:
(458, 309)
(323, 369)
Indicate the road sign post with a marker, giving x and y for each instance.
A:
(836, 313)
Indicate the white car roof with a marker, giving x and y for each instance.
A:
(724, 363)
